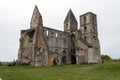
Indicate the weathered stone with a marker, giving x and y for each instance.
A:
(43, 46)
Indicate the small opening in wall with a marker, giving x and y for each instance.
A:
(54, 62)
(31, 40)
(94, 29)
(64, 60)
(56, 50)
(85, 28)
(47, 33)
(94, 37)
(81, 49)
(93, 18)
(66, 24)
(85, 37)
(84, 19)
(56, 35)
(73, 59)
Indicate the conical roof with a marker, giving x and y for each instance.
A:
(36, 11)
(36, 19)
(70, 17)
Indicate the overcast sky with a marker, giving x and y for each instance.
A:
(16, 15)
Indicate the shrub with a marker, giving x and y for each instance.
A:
(105, 58)
(11, 63)
(0, 63)
(21, 64)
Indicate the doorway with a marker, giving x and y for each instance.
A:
(73, 60)
(64, 60)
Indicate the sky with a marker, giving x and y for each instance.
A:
(15, 15)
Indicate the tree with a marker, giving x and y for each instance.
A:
(105, 58)
(0, 64)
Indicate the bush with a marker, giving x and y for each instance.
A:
(0, 63)
(21, 64)
(105, 58)
(11, 63)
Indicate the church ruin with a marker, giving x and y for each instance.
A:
(44, 46)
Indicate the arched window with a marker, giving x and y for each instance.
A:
(73, 59)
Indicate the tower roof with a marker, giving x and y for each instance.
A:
(36, 11)
(70, 17)
(36, 19)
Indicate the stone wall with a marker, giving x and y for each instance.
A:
(59, 45)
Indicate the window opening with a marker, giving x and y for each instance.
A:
(85, 28)
(84, 19)
(47, 33)
(56, 35)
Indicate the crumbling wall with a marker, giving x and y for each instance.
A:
(58, 43)
(81, 47)
(26, 43)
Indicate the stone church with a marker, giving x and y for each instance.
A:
(44, 46)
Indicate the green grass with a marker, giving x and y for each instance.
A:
(106, 71)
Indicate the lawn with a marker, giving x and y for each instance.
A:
(106, 71)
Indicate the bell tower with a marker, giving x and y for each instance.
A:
(88, 28)
(70, 23)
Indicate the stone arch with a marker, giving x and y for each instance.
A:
(55, 61)
(72, 36)
(73, 59)
(64, 52)
(56, 50)
(31, 33)
(55, 58)
(64, 61)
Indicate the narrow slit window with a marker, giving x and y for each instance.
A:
(85, 37)
(94, 37)
(85, 28)
(93, 19)
(84, 19)
(47, 33)
(56, 35)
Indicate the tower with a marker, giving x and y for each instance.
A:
(88, 28)
(70, 23)
(36, 19)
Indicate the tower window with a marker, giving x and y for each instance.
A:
(81, 49)
(85, 37)
(93, 18)
(85, 28)
(66, 24)
(94, 30)
(84, 19)
(94, 37)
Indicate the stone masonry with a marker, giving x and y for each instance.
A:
(44, 46)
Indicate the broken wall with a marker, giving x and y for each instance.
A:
(59, 45)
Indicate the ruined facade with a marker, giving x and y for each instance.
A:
(43, 46)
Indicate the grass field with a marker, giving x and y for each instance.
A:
(106, 71)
